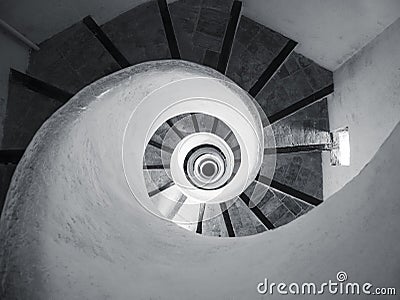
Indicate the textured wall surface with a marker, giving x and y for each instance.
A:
(71, 229)
(367, 93)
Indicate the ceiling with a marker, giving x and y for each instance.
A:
(329, 32)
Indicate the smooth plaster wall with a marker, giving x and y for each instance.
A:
(367, 99)
(13, 54)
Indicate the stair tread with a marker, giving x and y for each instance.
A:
(199, 26)
(26, 112)
(139, 33)
(254, 48)
(72, 59)
(155, 156)
(307, 126)
(244, 221)
(298, 78)
(278, 207)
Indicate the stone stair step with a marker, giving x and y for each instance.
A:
(72, 59)
(139, 34)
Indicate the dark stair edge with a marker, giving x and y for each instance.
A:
(257, 212)
(272, 68)
(176, 130)
(297, 149)
(215, 125)
(11, 156)
(155, 167)
(229, 37)
(160, 189)
(227, 220)
(199, 228)
(106, 42)
(289, 190)
(161, 147)
(39, 86)
(228, 136)
(195, 123)
(169, 29)
(311, 99)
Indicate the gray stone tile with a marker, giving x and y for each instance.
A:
(166, 136)
(54, 69)
(212, 22)
(273, 98)
(318, 77)
(291, 63)
(244, 222)
(291, 204)
(154, 156)
(136, 31)
(246, 31)
(214, 223)
(184, 124)
(277, 214)
(286, 218)
(293, 170)
(155, 179)
(6, 172)
(25, 114)
(205, 122)
(207, 41)
(221, 5)
(302, 60)
(243, 68)
(269, 203)
(303, 205)
(297, 86)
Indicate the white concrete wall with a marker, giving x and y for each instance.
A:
(367, 99)
(15, 55)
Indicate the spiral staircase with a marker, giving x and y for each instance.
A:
(287, 90)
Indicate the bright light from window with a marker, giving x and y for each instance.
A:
(340, 153)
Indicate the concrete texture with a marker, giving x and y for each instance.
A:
(71, 229)
(366, 99)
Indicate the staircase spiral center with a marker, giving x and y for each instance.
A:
(205, 167)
